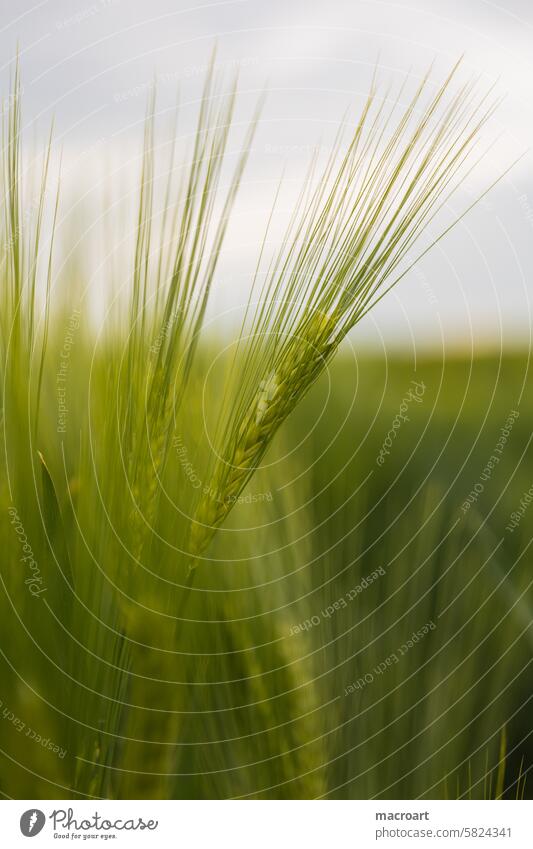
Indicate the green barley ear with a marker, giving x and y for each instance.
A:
(276, 396)
(341, 254)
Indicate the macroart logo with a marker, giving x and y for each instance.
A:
(31, 822)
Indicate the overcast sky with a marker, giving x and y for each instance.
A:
(91, 65)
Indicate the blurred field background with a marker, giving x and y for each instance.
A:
(257, 704)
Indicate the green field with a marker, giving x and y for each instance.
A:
(259, 693)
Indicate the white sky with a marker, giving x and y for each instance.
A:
(90, 63)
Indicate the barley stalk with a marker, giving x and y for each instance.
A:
(342, 253)
(278, 394)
